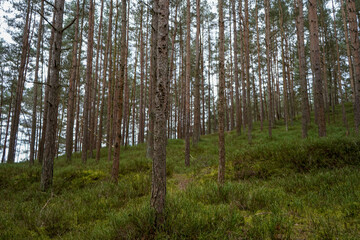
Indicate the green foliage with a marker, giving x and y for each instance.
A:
(279, 188)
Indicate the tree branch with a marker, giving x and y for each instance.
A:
(50, 4)
(47, 20)
(69, 25)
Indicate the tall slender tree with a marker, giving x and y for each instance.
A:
(236, 70)
(36, 84)
(247, 70)
(196, 131)
(315, 61)
(302, 65)
(119, 95)
(89, 70)
(72, 89)
(105, 75)
(221, 106)
(354, 37)
(53, 102)
(187, 85)
(20, 86)
(153, 77)
(268, 61)
(158, 189)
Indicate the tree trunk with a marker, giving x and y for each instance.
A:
(345, 122)
(78, 86)
(247, 71)
(54, 88)
(259, 69)
(36, 84)
(142, 105)
(285, 89)
(268, 60)
(243, 67)
(153, 77)
(96, 87)
(119, 95)
(221, 174)
(188, 75)
(315, 52)
(110, 100)
(302, 66)
(354, 37)
(72, 89)
(106, 61)
(158, 189)
(209, 86)
(89, 67)
(196, 130)
(124, 138)
(7, 129)
(348, 50)
(20, 87)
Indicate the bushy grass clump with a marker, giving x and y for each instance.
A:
(297, 156)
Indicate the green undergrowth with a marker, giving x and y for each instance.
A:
(282, 187)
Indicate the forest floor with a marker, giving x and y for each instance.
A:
(279, 188)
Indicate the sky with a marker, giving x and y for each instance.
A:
(4, 5)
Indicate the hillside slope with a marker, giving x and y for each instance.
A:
(279, 188)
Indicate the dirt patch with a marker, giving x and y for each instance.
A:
(182, 181)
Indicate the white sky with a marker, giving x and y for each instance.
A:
(4, 5)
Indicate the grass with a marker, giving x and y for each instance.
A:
(279, 188)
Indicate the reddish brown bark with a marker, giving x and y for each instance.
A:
(119, 95)
(221, 174)
(158, 187)
(54, 87)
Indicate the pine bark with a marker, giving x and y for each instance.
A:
(285, 89)
(348, 49)
(105, 69)
(315, 53)
(221, 174)
(54, 88)
(20, 87)
(354, 38)
(259, 69)
(78, 86)
(196, 131)
(141, 132)
(89, 68)
(268, 60)
(96, 87)
(302, 66)
(187, 87)
(119, 95)
(7, 129)
(36, 84)
(344, 118)
(153, 77)
(72, 89)
(209, 83)
(158, 189)
(247, 71)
